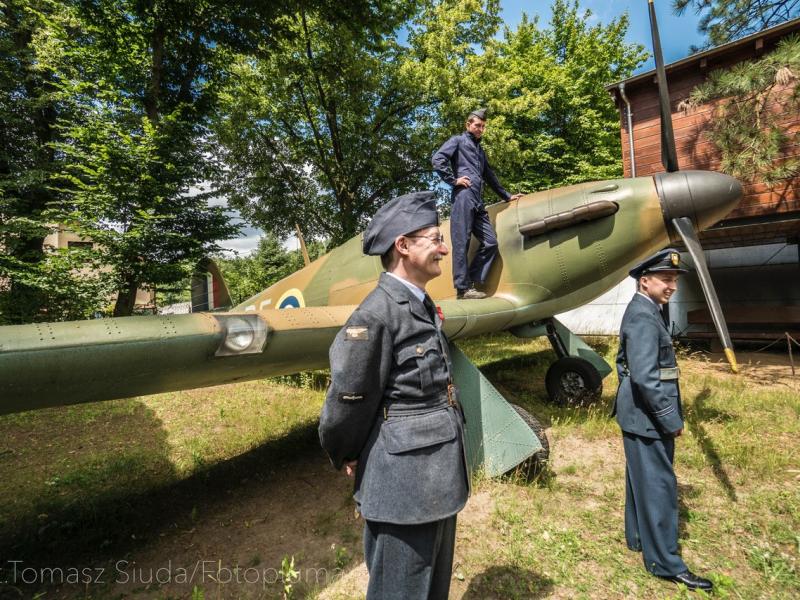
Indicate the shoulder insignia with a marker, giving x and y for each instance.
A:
(357, 333)
(350, 398)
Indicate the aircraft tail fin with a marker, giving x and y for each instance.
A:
(209, 291)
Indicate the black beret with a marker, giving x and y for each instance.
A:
(480, 113)
(397, 217)
(666, 260)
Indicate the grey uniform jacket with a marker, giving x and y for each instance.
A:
(648, 400)
(387, 408)
(461, 156)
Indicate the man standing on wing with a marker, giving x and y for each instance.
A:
(462, 164)
(391, 417)
(648, 410)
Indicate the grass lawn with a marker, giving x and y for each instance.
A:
(234, 473)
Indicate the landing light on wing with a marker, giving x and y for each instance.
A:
(244, 334)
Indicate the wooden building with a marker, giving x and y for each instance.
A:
(764, 215)
(753, 254)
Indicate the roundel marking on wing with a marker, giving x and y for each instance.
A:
(292, 298)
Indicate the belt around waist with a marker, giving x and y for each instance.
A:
(665, 374)
(397, 408)
(669, 373)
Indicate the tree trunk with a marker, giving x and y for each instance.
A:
(126, 298)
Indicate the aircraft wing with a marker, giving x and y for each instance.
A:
(52, 364)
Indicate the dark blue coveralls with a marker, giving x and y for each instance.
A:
(461, 156)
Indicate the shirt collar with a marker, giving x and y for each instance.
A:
(418, 292)
(660, 307)
(472, 137)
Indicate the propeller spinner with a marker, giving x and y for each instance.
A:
(691, 197)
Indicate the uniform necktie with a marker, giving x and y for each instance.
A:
(430, 307)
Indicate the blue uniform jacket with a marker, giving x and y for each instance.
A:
(462, 155)
(387, 407)
(648, 401)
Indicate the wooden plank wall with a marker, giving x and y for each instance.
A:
(694, 149)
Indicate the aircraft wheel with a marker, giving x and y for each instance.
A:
(572, 380)
(536, 463)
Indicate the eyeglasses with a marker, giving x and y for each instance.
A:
(437, 240)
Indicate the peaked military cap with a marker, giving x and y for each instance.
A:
(397, 217)
(666, 260)
(480, 113)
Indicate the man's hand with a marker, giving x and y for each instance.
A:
(515, 197)
(678, 433)
(350, 468)
(463, 182)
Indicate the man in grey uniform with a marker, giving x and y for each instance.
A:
(462, 164)
(391, 416)
(648, 410)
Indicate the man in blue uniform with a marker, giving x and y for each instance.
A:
(462, 164)
(391, 416)
(648, 410)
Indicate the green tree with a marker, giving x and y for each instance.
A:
(246, 276)
(324, 129)
(35, 284)
(114, 96)
(726, 20)
(571, 132)
(551, 120)
(748, 125)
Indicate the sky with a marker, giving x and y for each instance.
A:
(678, 34)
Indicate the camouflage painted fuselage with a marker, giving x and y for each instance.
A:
(570, 259)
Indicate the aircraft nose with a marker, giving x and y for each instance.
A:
(703, 196)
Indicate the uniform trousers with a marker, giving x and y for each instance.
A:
(651, 503)
(468, 216)
(409, 562)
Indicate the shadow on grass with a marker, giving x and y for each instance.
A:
(695, 415)
(505, 581)
(119, 518)
(520, 379)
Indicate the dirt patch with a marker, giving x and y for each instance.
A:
(230, 542)
(760, 368)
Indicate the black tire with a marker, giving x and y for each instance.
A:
(573, 381)
(538, 462)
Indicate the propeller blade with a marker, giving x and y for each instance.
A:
(669, 157)
(685, 229)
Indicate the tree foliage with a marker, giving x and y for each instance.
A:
(104, 113)
(322, 130)
(306, 113)
(551, 120)
(31, 282)
(246, 276)
(748, 124)
(570, 133)
(726, 20)
(330, 125)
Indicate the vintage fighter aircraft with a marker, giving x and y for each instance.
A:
(558, 250)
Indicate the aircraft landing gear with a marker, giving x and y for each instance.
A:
(576, 377)
(573, 381)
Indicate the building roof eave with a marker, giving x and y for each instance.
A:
(772, 32)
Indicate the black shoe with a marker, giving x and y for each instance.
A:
(690, 580)
(470, 294)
